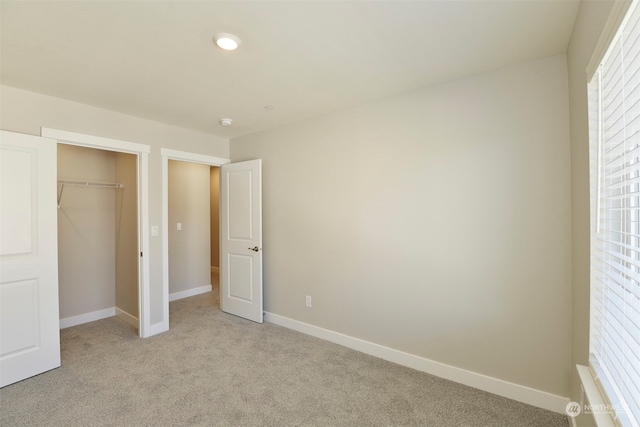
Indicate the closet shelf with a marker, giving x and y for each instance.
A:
(86, 184)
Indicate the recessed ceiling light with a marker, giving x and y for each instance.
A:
(226, 41)
(226, 122)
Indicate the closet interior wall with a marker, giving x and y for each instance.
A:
(127, 252)
(97, 236)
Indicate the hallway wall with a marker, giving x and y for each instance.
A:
(189, 248)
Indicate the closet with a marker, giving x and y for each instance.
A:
(97, 235)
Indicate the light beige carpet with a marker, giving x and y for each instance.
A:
(216, 369)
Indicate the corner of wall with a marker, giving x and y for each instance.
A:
(590, 22)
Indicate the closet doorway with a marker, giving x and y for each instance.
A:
(141, 154)
(97, 235)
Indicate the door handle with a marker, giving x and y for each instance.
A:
(255, 249)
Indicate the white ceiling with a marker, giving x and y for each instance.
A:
(156, 59)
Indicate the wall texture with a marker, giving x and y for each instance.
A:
(436, 223)
(189, 248)
(587, 29)
(86, 232)
(25, 112)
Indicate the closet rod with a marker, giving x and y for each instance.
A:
(92, 184)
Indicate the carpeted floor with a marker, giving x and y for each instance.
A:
(214, 369)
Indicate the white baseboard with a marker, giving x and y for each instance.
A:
(215, 269)
(497, 386)
(87, 317)
(190, 292)
(132, 320)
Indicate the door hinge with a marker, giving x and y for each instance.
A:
(140, 254)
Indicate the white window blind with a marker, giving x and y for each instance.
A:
(614, 115)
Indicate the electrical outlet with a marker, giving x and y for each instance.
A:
(179, 226)
(308, 302)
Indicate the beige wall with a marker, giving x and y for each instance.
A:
(189, 248)
(86, 232)
(97, 233)
(26, 112)
(588, 27)
(214, 212)
(436, 223)
(126, 211)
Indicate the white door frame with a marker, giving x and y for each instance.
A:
(142, 152)
(183, 156)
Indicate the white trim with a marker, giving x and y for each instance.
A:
(185, 156)
(592, 392)
(165, 242)
(497, 386)
(215, 269)
(144, 291)
(68, 322)
(190, 292)
(142, 151)
(73, 138)
(616, 16)
(132, 320)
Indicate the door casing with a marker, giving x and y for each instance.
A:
(142, 152)
(183, 156)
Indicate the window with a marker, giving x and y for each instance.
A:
(614, 116)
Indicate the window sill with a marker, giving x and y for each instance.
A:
(591, 391)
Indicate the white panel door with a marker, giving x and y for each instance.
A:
(29, 322)
(241, 239)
